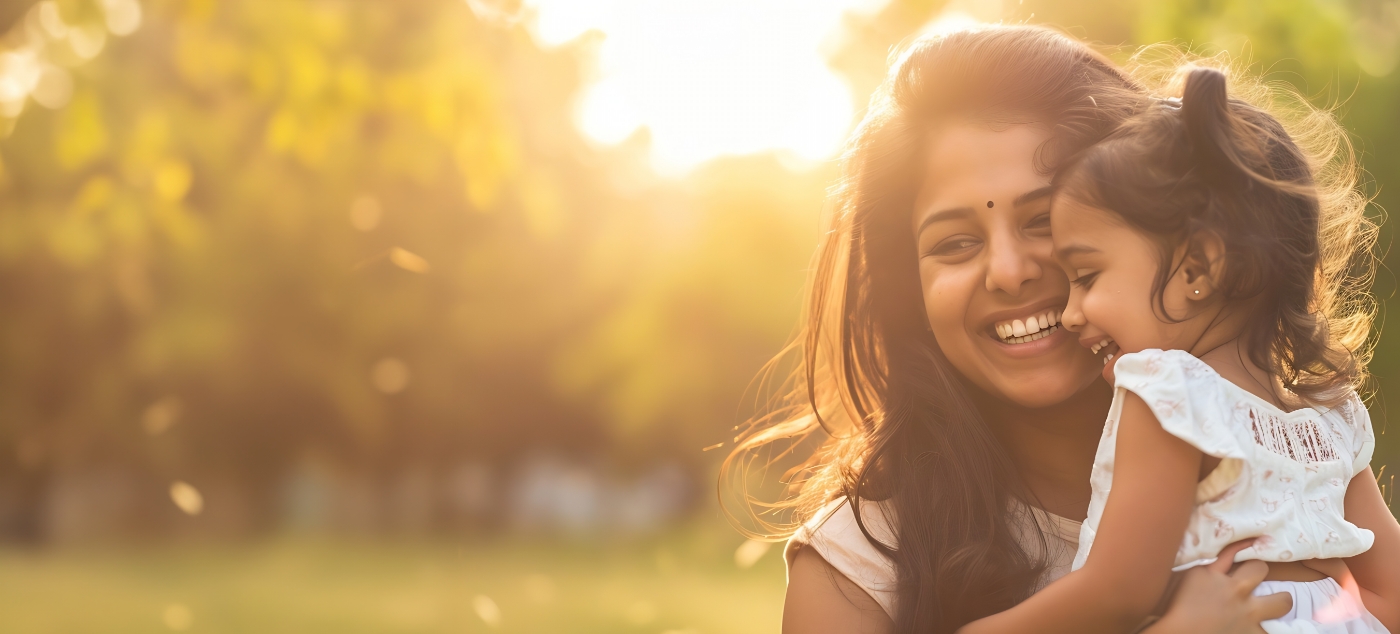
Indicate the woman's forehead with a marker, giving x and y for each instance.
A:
(971, 164)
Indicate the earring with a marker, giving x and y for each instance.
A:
(1197, 291)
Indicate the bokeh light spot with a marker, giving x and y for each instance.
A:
(390, 375)
(486, 610)
(186, 497)
(123, 16)
(51, 20)
(54, 88)
(178, 617)
(161, 415)
(87, 40)
(365, 213)
(408, 260)
(172, 180)
(499, 12)
(749, 552)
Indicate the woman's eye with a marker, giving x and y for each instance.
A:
(953, 246)
(1039, 225)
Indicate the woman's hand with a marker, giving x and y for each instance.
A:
(1213, 599)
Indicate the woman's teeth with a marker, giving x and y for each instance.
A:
(1028, 329)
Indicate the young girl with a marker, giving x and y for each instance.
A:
(1194, 237)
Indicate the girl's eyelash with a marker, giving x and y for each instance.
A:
(1084, 281)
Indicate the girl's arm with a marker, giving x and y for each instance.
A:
(821, 600)
(1145, 517)
(1377, 571)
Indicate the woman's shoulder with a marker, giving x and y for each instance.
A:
(836, 535)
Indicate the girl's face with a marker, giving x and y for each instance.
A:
(992, 289)
(1112, 268)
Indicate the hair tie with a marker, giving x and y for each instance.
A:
(1171, 103)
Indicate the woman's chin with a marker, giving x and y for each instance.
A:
(1034, 394)
(1049, 374)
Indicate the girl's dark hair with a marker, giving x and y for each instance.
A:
(903, 430)
(1207, 164)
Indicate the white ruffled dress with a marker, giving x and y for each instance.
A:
(1282, 479)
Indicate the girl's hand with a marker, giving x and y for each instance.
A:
(1214, 599)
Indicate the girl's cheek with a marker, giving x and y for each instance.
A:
(1091, 305)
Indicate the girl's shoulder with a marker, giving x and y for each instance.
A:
(1189, 398)
(1194, 402)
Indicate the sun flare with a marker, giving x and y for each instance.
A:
(709, 78)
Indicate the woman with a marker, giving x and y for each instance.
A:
(957, 453)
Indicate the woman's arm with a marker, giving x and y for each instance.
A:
(821, 600)
(1377, 571)
(1145, 517)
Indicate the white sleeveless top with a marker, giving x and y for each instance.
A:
(833, 533)
(1282, 477)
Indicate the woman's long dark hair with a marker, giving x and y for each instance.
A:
(903, 430)
(1211, 164)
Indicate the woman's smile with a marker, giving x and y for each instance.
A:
(1032, 328)
(1026, 332)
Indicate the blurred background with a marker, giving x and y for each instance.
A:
(436, 315)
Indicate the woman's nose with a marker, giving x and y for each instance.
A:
(1011, 263)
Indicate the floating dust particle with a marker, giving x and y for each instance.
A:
(408, 260)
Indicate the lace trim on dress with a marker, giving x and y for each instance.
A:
(1299, 440)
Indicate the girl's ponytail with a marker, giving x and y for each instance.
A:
(1205, 112)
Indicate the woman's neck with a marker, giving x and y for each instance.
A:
(1052, 447)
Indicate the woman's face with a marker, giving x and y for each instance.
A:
(992, 289)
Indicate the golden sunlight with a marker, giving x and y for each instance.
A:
(709, 78)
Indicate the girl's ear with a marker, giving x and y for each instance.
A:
(1202, 265)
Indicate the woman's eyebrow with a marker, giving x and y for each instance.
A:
(954, 213)
(1033, 195)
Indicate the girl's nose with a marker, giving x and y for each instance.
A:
(1073, 317)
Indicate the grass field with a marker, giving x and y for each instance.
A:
(685, 582)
